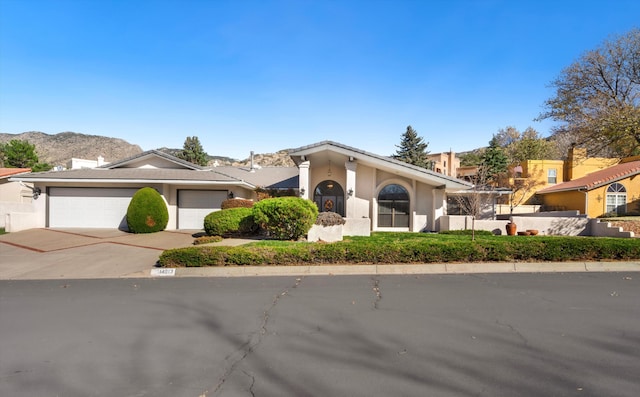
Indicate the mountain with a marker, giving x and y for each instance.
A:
(58, 149)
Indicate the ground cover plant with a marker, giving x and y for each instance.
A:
(387, 247)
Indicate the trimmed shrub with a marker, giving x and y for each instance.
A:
(236, 203)
(229, 222)
(147, 212)
(329, 219)
(207, 240)
(285, 218)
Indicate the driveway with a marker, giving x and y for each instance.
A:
(84, 253)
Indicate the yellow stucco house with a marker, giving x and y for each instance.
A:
(595, 191)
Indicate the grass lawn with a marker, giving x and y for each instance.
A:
(388, 247)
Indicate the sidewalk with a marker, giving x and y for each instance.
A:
(39, 254)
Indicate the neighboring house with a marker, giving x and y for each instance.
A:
(445, 163)
(76, 164)
(537, 175)
(615, 189)
(372, 192)
(14, 197)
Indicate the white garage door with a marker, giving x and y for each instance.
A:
(194, 205)
(89, 207)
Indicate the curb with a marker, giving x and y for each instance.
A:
(405, 269)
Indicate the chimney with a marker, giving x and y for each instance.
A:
(100, 161)
(575, 158)
(252, 169)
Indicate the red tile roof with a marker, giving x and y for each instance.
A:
(598, 178)
(7, 172)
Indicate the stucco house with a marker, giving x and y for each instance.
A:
(14, 196)
(372, 192)
(615, 189)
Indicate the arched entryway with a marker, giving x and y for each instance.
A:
(393, 206)
(329, 197)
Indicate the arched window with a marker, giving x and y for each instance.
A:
(329, 197)
(393, 206)
(616, 198)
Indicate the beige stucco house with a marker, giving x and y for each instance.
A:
(371, 192)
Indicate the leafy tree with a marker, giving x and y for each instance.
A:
(494, 163)
(20, 154)
(528, 145)
(597, 99)
(412, 149)
(472, 158)
(193, 152)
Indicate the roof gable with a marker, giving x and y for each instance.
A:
(598, 178)
(153, 159)
(382, 162)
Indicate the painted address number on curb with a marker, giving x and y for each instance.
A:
(163, 272)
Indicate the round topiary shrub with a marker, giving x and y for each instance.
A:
(229, 222)
(147, 212)
(285, 218)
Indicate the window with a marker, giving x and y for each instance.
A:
(551, 176)
(616, 198)
(393, 206)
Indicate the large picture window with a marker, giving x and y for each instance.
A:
(616, 198)
(393, 206)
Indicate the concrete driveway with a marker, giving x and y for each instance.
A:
(84, 253)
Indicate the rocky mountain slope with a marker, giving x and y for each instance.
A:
(58, 149)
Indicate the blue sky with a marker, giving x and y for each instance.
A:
(269, 75)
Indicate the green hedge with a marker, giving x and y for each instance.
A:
(410, 250)
(285, 218)
(231, 221)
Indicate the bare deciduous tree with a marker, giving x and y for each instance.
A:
(597, 98)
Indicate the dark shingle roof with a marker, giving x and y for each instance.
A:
(267, 177)
(131, 174)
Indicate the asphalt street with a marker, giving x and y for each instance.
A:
(572, 334)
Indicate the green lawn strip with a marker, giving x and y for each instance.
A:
(390, 248)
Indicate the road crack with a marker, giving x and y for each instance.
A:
(247, 348)
(524, 340)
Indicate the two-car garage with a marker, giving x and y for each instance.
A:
(97, 207)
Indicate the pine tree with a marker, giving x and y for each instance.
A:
(494, 162)
(412, 149)
(20, 154)
(193, 152)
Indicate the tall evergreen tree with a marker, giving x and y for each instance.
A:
(412, 149)
(20, 154)
(494, 162)
(193, 152)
